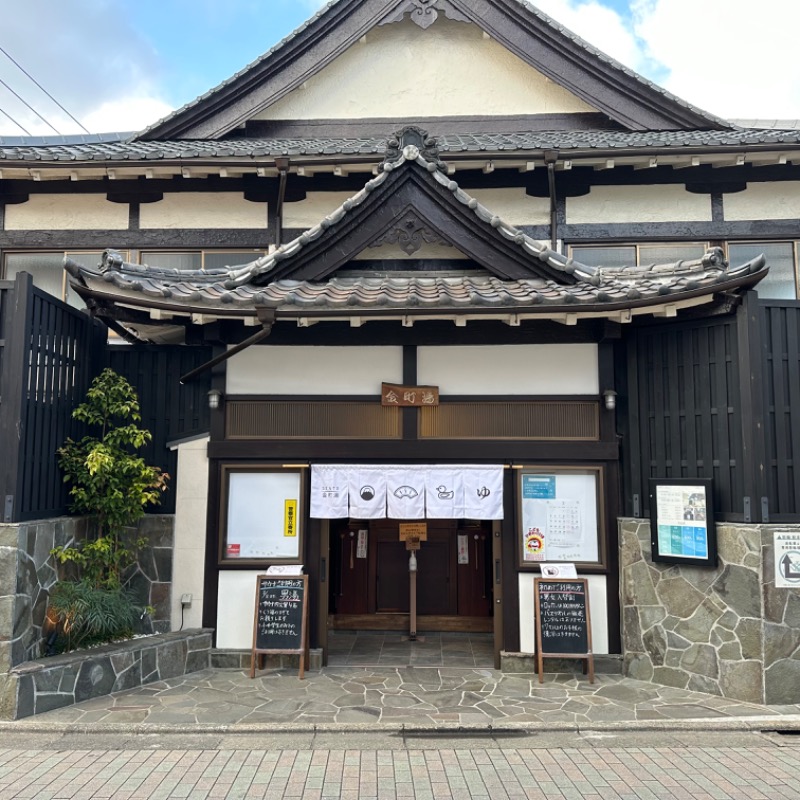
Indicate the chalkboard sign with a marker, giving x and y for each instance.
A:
(563, 628)
(281, 615)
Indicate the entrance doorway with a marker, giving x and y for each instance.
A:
(370, 577)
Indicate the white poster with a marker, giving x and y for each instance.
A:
(559, 517)
(361, 547)
(787, 560)
(257, 515)
(463, 548)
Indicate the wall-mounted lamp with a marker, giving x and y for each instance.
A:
(610, 398)
(214, 399)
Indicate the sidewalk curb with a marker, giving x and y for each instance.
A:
(789, 722)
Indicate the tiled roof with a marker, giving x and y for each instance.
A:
(564, 141)
(243, 289)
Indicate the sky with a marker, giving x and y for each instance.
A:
(120, 65)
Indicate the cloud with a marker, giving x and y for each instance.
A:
(87, 54)
(720, 55)
(730, 58)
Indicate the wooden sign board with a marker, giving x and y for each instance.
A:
(409, 396)
(413, 544)
(280, 623)
(563, 626)
(414, 530)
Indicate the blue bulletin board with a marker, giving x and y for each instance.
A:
(682, 521)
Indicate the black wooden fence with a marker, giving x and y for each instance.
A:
(169, 411)
(49, 354)
(717, 398)
(780, 331)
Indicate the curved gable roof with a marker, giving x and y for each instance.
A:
(522, 275)
(604, 83)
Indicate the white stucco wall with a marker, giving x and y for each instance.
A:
(598, 611)
(314, 370)
(528, 369)
(764, 201)
(67, 212)
(311, 211)
(514, 206)
(191, 498)
(392, 75)
(203, 210)
(667, 203)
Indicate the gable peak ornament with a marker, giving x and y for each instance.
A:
(424, 12)
(409, 144)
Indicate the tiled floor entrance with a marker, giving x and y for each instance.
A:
(392, 649)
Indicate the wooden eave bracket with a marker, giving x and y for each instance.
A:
(266, 317)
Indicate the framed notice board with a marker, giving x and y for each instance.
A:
(261, 516)
(682, 521)
(563, 626)
(280, 623)
(561, 515)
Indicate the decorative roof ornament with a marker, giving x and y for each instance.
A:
(410, 233)
(424, 12)
(409, 144)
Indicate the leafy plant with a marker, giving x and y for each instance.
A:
(113, 484)
(83, 615)
(109, 481)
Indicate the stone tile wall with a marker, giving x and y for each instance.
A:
(27, 573)
(726, 631)
(49, 683)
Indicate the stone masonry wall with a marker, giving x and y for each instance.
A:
(726, 631)
(48, 683)
(28, 572)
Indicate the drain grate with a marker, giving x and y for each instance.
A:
(468, 733)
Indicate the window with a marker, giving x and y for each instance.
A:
(631, 255)
(781, 282)
(47, 270)
(198, 259)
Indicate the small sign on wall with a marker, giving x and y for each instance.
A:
(787, 559)
(409, 396)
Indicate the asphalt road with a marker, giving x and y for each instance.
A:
(644, 765)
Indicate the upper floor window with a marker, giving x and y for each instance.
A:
(781, 282)
(632, 255)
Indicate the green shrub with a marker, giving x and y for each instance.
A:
(113, 485)
(84, 614)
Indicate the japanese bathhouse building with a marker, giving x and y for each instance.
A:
(431, 250)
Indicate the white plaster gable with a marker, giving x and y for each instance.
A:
(402, 70)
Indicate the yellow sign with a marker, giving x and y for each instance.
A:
(413, 530)
(290, 518)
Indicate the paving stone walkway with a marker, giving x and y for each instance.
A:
(700, 773)
(402, 697)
